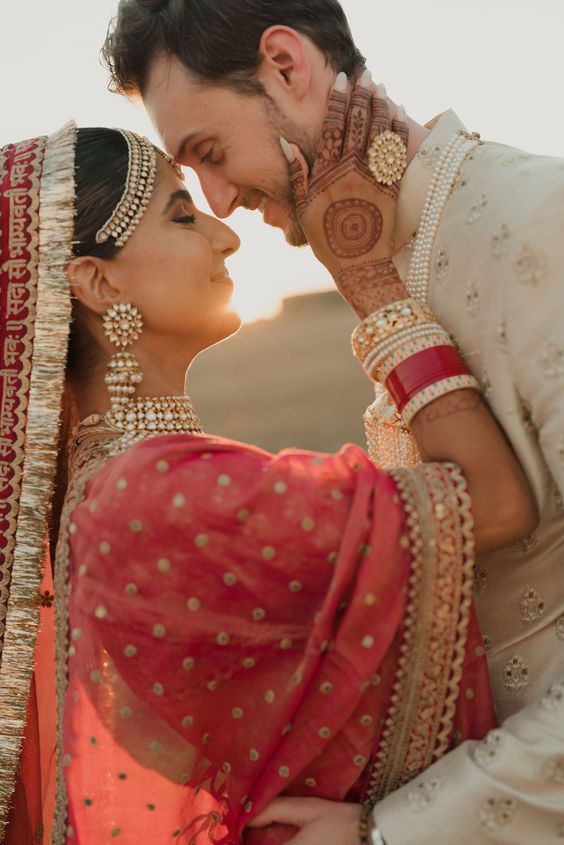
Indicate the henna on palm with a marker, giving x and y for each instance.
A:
(369, 286)
(352, 227)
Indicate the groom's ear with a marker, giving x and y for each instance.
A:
(286, 62)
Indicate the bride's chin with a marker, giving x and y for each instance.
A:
(227, 324)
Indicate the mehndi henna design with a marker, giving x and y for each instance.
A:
(370, 285)
(358, 126)
(461, 401)
(353, 227)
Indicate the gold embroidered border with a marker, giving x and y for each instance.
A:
(56, 225)
(423, 703)
(20, 589)
(12, 504)
(463, 531)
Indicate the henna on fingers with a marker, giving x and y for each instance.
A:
(358, 124)
(380, 116)
(333, 132)
(401, 128)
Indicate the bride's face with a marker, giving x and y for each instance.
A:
(173, 268)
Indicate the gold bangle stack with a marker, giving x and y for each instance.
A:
(392, 334)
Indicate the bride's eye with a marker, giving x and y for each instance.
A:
(185, 219)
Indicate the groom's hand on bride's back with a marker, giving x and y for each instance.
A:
(348, 216)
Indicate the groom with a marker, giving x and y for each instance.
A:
(222, 80)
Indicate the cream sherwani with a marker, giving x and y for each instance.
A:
(497, 284)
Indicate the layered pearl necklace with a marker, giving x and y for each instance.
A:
(443, 180)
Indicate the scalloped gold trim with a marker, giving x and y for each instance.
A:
(423, 703)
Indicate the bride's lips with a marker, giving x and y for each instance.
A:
(223, 280)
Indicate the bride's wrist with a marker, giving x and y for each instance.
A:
(370, 285)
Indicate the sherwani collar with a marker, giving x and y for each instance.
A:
(417, 177)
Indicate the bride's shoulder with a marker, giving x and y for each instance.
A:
(192, 461)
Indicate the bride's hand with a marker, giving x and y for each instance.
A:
(347, 216)
(319, 822)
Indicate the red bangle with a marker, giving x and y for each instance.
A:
(422, 370)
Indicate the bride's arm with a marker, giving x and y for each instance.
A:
(348, 219)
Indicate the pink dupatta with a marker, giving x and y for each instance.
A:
(242, 625)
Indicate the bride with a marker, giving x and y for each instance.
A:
(231, 625)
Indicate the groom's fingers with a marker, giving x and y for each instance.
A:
(290, 811)
(333, 131)
(400, 125)
(298, 173)
(359, 117)
(380, 113)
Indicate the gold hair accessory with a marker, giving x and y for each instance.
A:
(387, 158)
(173, 163)
(137, 192)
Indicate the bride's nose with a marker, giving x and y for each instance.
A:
(223, 239)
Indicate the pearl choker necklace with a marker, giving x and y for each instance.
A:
(138, 418)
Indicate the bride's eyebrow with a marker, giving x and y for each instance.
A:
(180, 194)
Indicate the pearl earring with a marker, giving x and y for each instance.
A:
(122, 325)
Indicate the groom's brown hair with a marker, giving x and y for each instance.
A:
(218, 40)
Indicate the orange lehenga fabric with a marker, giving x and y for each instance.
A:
(235, 625)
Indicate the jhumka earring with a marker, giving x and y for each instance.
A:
(139, 417)
(122, 325)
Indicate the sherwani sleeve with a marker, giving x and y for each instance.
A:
(507, 789)
(535, 326)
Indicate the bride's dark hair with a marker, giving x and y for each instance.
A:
(101, 166)
(101, 163)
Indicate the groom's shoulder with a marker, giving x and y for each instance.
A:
(506, 164)
(524, 183)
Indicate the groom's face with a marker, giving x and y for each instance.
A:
(231, 140)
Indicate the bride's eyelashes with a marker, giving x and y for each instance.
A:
(185, 219)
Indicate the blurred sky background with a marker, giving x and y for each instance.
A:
(499, 63)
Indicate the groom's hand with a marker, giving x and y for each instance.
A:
(320, 822)
(347, 216)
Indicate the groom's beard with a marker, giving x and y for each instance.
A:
(283, 127)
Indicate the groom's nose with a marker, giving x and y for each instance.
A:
(223, 196)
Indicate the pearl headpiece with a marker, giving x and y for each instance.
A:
(137, 192)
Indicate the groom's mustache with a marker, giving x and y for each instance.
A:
(252, 199)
